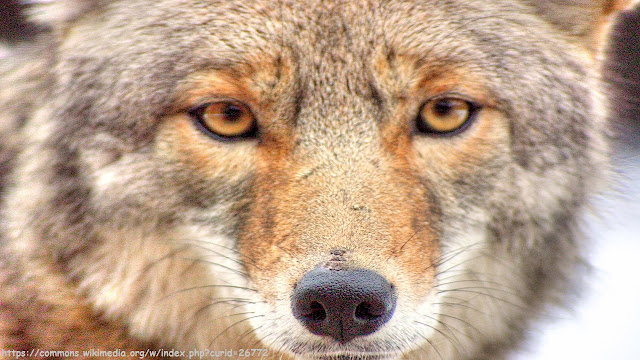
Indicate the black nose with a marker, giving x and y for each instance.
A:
(343, 304)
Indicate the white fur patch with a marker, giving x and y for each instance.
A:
(5, 52)
(57, 12)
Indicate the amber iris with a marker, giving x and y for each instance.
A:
(445, 115)
(226, 119)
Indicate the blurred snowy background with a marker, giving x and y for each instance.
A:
(606, 324)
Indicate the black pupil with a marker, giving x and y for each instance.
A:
(232, 112)
(443, 107)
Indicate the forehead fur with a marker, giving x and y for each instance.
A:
(108, 74)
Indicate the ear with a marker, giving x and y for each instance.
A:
(587, 21)
(57, 14)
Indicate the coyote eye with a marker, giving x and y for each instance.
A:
(446, 115)
(225, 120)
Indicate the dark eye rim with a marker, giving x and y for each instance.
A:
(421, 128)
(197, 115)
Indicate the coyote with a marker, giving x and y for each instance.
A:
(332, 179)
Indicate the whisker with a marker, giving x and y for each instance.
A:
(275, 339)
(460, 304)
(455, 345)
(415, 233)
(466, 323)
(435, 348)
(508, 291)
(480, 293)
(168, 256)
(233, 302)
(231, 326)
(200, 287)
(448, 327)
(237, 261)
(248, 332)
(235, 271)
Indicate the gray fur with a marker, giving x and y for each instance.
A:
(88, 188)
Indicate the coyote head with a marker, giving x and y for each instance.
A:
(325, 180)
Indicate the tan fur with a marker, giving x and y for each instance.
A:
(125, 225)
(44, 301)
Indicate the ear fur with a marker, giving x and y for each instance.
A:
(58, 13)
(586, 20)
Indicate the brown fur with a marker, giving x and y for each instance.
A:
(31, 306)
(126, 226)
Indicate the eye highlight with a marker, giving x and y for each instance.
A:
(445, 116)
(225, 120)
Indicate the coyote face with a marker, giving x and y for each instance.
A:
(332, 180)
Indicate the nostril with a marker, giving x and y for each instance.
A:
(316, 312)
(367, 311)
